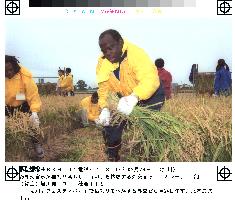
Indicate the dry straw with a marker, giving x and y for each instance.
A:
(188, 128)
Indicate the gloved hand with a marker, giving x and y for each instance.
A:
(97, 121)
(127, 103)
(34, 120)
(104, 117)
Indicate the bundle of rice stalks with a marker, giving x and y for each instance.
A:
(17, 136)
(204, 83)
(210, 135)
(153, 135)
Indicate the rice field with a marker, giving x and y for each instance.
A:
(189, 128)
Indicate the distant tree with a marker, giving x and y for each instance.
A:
(81, 85)
(89, 88)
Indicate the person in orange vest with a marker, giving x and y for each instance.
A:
(67, 83)
(126, 69)
(90, 109)
(21, 94)
(165, 77)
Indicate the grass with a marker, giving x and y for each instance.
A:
(189, 128)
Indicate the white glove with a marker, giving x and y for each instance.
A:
(34, 119)
(127, 103)
(104, 117)
(97, 121)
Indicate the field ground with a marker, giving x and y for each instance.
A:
(209, 139)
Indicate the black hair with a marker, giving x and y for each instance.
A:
(226, 67)
(94, 98)
(95, 95)
(62, 71)
(115, 34)
(14, 61)
(68, 70)
(159, 63)
(221, 63)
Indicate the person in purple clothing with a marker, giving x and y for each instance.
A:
(223, 81)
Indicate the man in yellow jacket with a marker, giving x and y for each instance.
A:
(67, 83)
(21, 94)
(90, 108)
(127, 70)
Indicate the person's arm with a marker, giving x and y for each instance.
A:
(216, 84)
(102, 76)
(168, 79)
(103, 93)
(103, 70)
(70, 83)
(146, 74)
(230, 79)
(32, 96)
(92, 117)
(65, 82)
(82, 103)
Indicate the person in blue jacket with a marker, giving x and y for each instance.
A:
(223, 81)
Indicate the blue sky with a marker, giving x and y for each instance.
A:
(43, 45)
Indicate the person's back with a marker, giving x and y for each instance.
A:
(67, 83)
(222, 80)
(92, 109)
(194, 71)
(165, 77)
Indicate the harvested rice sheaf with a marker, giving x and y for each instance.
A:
(154, 135)
(188, 128)
(204, 83)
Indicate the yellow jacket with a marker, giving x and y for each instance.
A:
(137, 75)
(22, 82)
(93, 110)
(67, 83)
(60, 80)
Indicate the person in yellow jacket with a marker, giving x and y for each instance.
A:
(127, 70)
(21, 94)
(60, 80)
(90, 109)
(67, 83)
